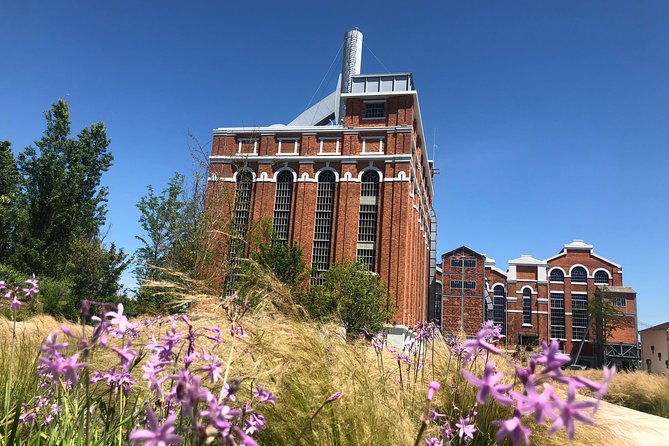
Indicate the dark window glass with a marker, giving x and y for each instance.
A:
(557, 316)
(470, 263)
(367, 223)
(240, 222)
(323, 227)
(375, 110)
(557, 276)
(527, 306)
(456, 263)
(601, 278)
(579, 275)
(499, 307)
(282, 205)
(579, 318)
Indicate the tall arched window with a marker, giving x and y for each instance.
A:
(527, 306)
(369, 192)
(240, 222)
(557, 275)
(323, 228)
(601, 277)
(579, 275)
(282, 204)
(499, 307)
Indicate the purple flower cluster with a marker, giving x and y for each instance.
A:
(173, 367)
(12, 294)
(537, 397)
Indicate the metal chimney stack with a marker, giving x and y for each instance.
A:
(351, 63)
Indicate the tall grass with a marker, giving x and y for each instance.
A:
(638, 390)
(303, 363)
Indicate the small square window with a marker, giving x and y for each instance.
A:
(375, 110)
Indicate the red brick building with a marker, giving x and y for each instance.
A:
(537, 300)
(348, 178)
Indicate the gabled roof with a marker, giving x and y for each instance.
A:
(580, 245)
(526, 259)
(660, 327)
(463, 248)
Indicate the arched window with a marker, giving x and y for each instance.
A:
(369, 192)
(499, 307)
(601, 277)
(527, 306)
(323, 227)
(282, 204)
(240, 222)
(557, 275)
(579, 275)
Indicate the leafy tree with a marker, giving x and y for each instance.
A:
(62, 198)
(352, 293)
(606, 319)
(9, 188)
(160, 221)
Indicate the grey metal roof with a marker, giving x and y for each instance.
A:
(618, 289)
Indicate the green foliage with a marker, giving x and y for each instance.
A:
(285, 261)
(352, 293)
(606, 317)
(9, 188)
(62, 199)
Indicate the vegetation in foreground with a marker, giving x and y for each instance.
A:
(237, 375)
(638, 390)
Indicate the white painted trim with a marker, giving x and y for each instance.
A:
(514, 311)
(380, 139)
(348, 178)
(328, 168)
(602, 269)
(399, 158)
(580, 293)
(338, 141)
(526, 286)
(604, 259)
(492, 288)
(587, 273)
(264, 178)
(542, 300)
(304, 178)
(512, 299)
(564, 274)
(234, 175)
(370, 168)
(312, 129)
(527, 325)
(296, 150)
(276, 174)
(242, 140)
(539, 312)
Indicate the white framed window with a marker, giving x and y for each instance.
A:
(372, 144)
(288, 146)
(329, 146)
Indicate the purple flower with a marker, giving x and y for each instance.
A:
(531, 401)
(465, 430)
(551, 358)
(15, 305)
(213, 368)
(156, 435)
(434, 386)
(433, 441)
(488, 385)
(117, 318)
(434, 415)
(254, 423)
(335, 396)
(513, 429)
(601, 388)
(264, 395)
(569, 410)
(127, 356)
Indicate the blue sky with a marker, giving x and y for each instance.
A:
(551, 118)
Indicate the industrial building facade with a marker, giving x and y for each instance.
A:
(536, 300)
(349, 178)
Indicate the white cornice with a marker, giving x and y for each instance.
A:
(313, 129)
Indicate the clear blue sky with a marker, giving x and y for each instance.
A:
(552, 118)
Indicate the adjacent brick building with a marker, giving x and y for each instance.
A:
(349, 178)
(537, 300)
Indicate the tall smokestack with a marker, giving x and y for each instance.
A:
(351, 62)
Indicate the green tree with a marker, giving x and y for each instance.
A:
(9, 194)
(62, 199)
(161, 221)
(352, 293)
(604, 320)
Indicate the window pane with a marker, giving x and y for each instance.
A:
(557, 316)
(375, 110)
(579, 311)
(282, 205)
(323, 227)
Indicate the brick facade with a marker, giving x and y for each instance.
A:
(391, 147)
(537, 300)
